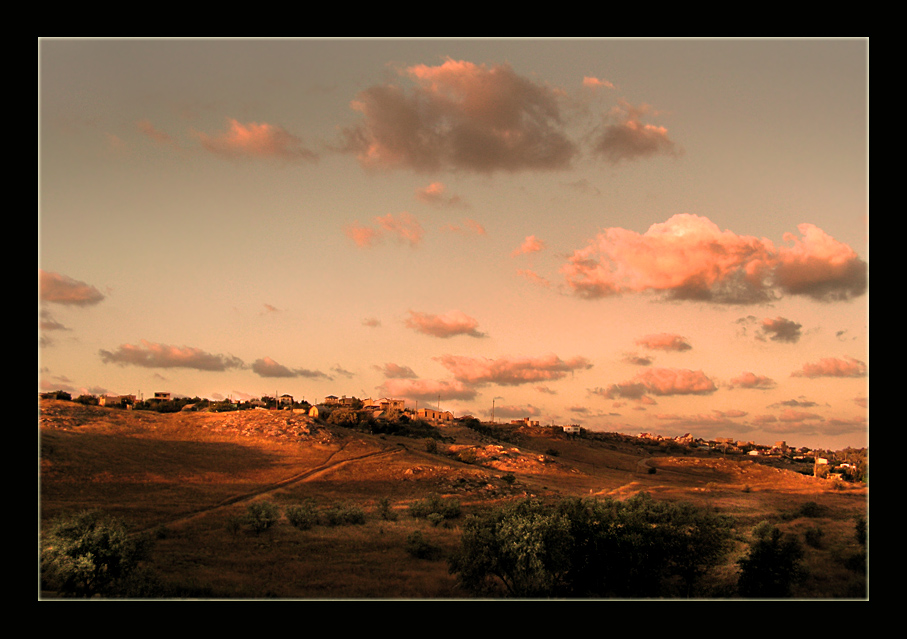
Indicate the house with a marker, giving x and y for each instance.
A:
(435, 415)
(524, 422)
(573, 429)
(285, 400)
(385, 403)
(331, 400)
(116, 400)
(161, 397)
(321, 411)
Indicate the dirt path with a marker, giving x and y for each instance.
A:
(307, 475)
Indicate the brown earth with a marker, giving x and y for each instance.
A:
(184, 475)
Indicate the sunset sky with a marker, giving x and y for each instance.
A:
(664, 236)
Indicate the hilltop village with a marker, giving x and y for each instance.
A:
(846, 465)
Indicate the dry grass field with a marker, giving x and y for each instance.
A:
(184, 477)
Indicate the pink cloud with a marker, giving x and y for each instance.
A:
(629, 138)
(531, 244)
(833, 367)
(664, 342)
(751, 380)
(596, 83)
(61, 289)
(424, 389)
(689, 257)
(509, 371)
(436, 193)
(267, 367)
(780, 329)
(662, 381)
(533, 277)
(819, 266)
(396, 371)
(404, 226)
(469, 226)
(151, 355)
(256, 140)
(146, 128)
(446, 325)
(460, 115)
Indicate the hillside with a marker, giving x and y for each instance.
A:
(183, 476)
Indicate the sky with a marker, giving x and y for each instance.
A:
(633, 235)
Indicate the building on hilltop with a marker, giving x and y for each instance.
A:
(433, 415)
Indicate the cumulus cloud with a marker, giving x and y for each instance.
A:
(833, 367)
(425, 389)
(152, 355)
(689, 257)
(664, 342)
(511, 371)
(626, 137)
(56, 288)
(531, 244)
(751, 380)
(256, 140)
(267, 367)
(662, 382)
(404, 226)
(446, 325)
(460, 115)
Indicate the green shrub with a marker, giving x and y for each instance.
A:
(344, 515)
(261, 515)
(90, 554)
(590, 548)
(302, 516)
(435, 504)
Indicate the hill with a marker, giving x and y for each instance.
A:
(183, 477)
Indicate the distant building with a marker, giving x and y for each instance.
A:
(572, 429)
(161, 397)
(435, 415)
(116, 400)
(285, 400)
(385, 403)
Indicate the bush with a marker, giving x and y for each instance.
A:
(434, 504)
(90, 554)
(261, 515)
(344, 515)
(302, 516)
(590, 548)
(417, 546)
(813, 537)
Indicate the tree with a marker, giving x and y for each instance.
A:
(89, 554)
(772, 566)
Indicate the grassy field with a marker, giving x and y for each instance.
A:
(185, 477)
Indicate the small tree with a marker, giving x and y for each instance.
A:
(89, 554)
(772, 566)
(261, 515)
